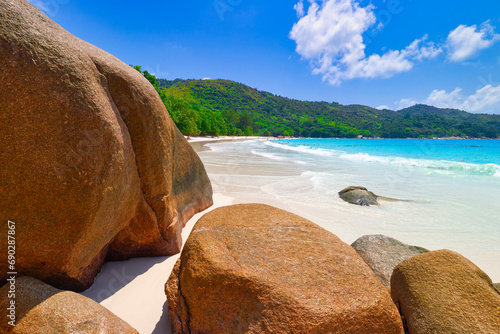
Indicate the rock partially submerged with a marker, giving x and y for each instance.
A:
(362, 196)
(92, 164)
(383, 253)
(253, 268)
(443, 292)
(358, 195)
(40, 308)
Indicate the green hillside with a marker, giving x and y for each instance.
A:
(220, 107)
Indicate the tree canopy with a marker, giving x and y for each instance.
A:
(223, 107)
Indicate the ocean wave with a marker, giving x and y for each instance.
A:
(434, 166)
(268, 155)
(443, 166)
(301, 149)
(217, 146)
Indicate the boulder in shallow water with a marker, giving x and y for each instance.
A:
(40, 308)
(253, 268)
(92, 164)
(361, 196)
(383, 253)
(443, 292)
(358, 195)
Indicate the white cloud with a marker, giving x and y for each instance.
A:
(405, 103)
(391, 62)
(299, 8)
(484, 100)
(443, 99)
(465, 42)
(382, 107)
(330, 37)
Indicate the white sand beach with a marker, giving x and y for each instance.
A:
(194, 139)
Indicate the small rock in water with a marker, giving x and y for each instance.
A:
(359, 196)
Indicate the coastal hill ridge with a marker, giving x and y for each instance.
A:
(224, 107)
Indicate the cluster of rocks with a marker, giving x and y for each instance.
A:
(252, 268)
(94, 169)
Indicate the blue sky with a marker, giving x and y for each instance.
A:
(390, 53)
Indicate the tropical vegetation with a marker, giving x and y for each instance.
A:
(224, 107)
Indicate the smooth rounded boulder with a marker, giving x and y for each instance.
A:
(358, 195)
(253, 268)
(41, 308)
(363, 197)
(93, 167)
(382, 254)
(443, 292)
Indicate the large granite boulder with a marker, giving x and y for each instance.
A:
(383, 253)
(443, 292)
(92, 164)
(253, 268)
(40, 308)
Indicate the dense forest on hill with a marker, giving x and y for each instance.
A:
(223, 107)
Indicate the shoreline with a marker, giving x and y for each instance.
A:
(208, 139)
(134, 289)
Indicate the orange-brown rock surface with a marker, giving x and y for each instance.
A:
(382, 254)
(253, 268)
(40, 308)
(92, 164)
(443, 292)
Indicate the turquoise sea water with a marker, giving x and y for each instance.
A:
(480, 157)
(454, 186)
